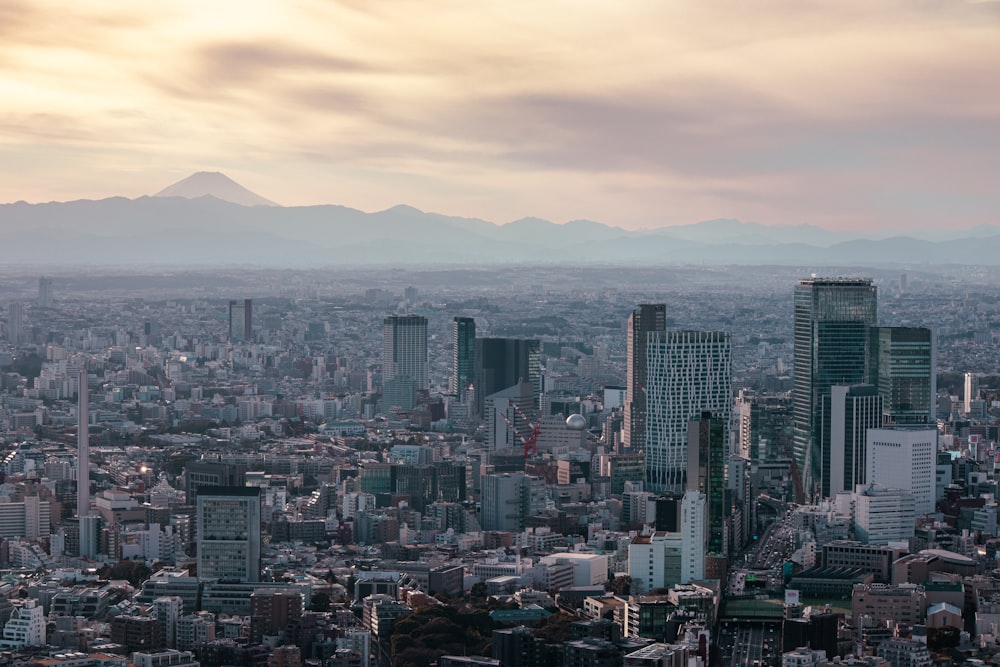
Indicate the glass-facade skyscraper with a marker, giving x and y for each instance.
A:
(904, 368)
(464, 356)
(646, 318)
(501, 363)
(404, 349)
(688, 372)
(708, 450)
(833, 317)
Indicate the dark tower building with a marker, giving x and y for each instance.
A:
(646, 318)
(904, 368)
(706, 461)
(464, 364)
(832, 321)
(501, 363)
(241, 320)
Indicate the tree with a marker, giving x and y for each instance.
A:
(320, 602)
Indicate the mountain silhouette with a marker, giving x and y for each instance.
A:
(214, 184)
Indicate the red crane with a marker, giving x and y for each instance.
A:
(531, 442)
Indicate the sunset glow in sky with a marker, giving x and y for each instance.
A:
(839, 113)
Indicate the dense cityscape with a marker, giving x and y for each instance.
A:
(499, 467)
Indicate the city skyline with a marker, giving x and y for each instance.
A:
(703, 112)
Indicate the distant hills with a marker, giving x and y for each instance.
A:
(208, 219)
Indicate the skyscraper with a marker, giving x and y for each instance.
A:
(847, 412)
(15, 323)
(904, 368)
(832, 321)
(83, 447)
(229, 533)
(241, 320)
(644, 319)
(501, 363)
(688, 372)
(44, 292)
(707, 454)
(404, 349)
(464, 362)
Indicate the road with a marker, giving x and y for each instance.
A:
(750, 644)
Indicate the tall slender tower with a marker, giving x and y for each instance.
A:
(648, 317)
(404, 349)
(44, 292)
(689, 372)
(464, 341)
(832, 321)
(83, 448)
(241, 320)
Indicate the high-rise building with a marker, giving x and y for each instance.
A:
(688, 372)
(904, 368)
(464, 356)
(241, 320)
(708, 450)
(501, 363)
(765, 423)
(15, 323)
(83, 447)
(404, 349)
(44, 292)
(904, 458)
(229, 535)
(846, 414)
(646, 318)
(832, 321)
(499, 412)
(971, 391)
(508, 499)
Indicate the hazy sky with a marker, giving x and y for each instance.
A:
(840, 113)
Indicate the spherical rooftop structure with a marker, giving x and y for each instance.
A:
(576, 423)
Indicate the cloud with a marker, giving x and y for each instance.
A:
(636, 114)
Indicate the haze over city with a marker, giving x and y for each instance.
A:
(846, 115)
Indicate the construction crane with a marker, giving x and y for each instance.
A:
(530, 442)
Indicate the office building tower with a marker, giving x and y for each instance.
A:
(688, 372)
(15, 323)
(198, 474)
(832, 318)
(83, 447)
(464, 356)
(904, 458)
(508, 499)
(971, 392)
(707, 456)
(904, 368)
(765, 423)
(404, 349)
(44, 292)
(883, 515)
(846, 414)
(646, 318)
(241, 321)
(229, 534)
(501, 363)
(505, 408)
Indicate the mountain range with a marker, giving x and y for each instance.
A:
(208, 219)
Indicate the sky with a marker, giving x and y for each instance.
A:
(846, 114)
